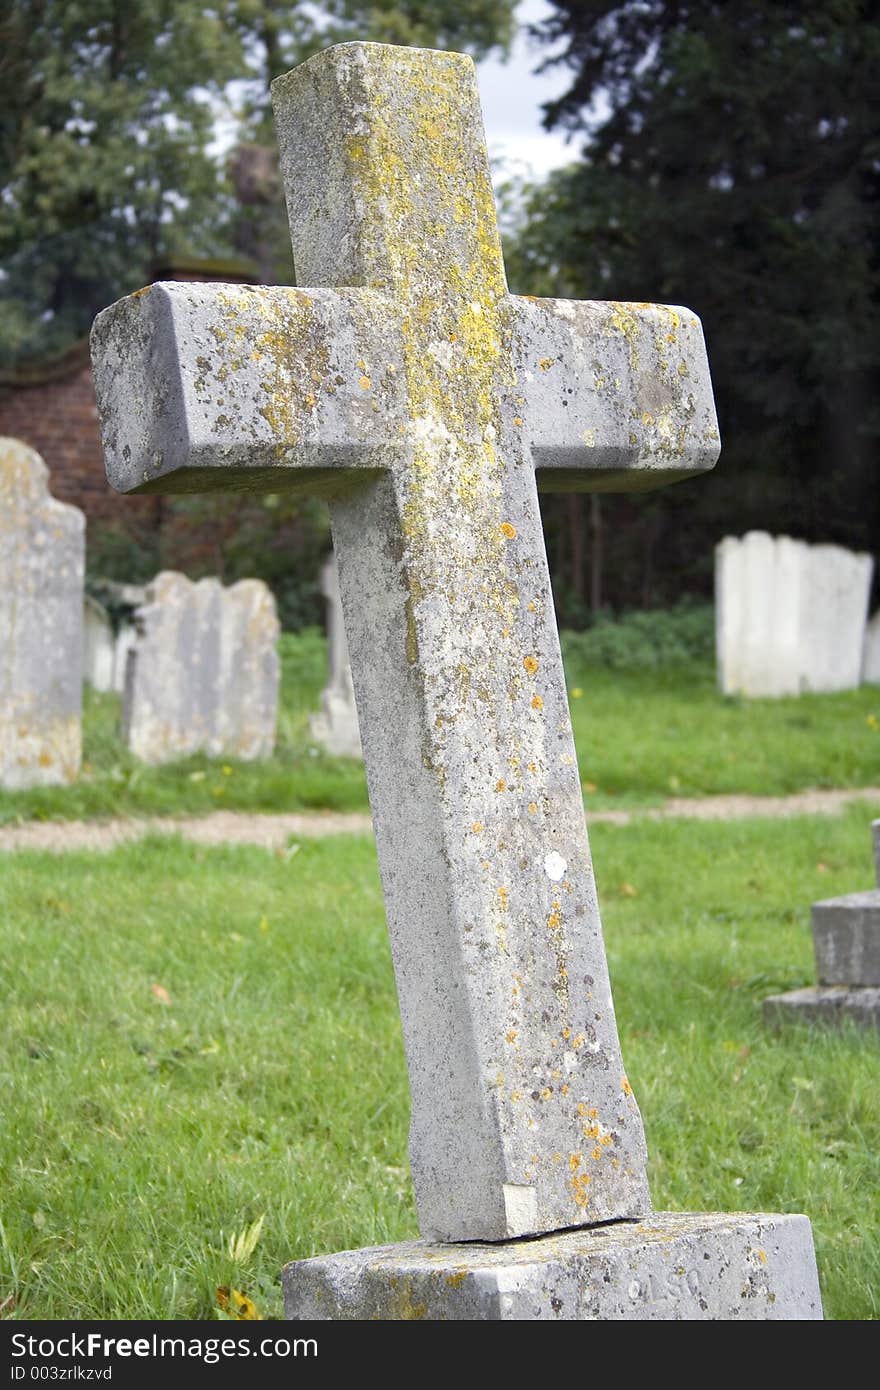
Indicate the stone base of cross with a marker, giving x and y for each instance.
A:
(427, 403)
(671, 1265)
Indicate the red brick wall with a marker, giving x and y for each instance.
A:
(52, 408)
(59, 419)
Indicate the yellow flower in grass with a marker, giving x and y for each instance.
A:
(237, 1305)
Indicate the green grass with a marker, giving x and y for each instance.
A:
(641, 736)
(645, 736)
(299, 776)
(144, 1129)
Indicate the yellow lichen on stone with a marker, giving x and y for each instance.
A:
(579, 1183)
(625, 320)
(450, 303)
(260, 327)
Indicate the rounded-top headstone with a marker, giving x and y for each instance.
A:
(42, 561)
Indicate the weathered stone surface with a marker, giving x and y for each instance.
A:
(336, 727)
(203, 675)
(871, 652)
(671, 1266)
(830, 1004)
(41, 613)
(790, 617)
(846, 939)
(423, 399)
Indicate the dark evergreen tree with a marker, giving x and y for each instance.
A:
(730, 162)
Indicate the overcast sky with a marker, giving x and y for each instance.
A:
(512, 97)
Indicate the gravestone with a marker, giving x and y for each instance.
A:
(108, 636)
(42, 558)
(846, 944)
(336, 727)
(203, 674)
(99, 645)
(422, 399)
(789, 617)
(871, 657)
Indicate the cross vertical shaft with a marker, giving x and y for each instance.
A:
(522, 1120)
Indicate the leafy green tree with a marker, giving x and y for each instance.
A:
(731, 162)
(108, 111)
(105, 116)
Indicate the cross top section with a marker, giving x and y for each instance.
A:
(391, 190)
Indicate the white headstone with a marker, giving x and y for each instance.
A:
(106, 645)
(871, 656)
(99, 645)
(336, 727)
(203, 675)
(789, 617)
(42, 551)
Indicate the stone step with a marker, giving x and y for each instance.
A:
(670, 1266)
(846, 939)
(827, 1004)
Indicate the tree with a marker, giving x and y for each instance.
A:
(108, 110)
(102, 147)
(732, 163)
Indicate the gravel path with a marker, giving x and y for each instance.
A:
(275, 831)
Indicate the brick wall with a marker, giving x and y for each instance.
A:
(58, 417)
(51, 406)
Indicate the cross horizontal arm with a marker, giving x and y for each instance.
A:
(204, 387)
(613, 397)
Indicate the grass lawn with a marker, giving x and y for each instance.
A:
(195, 1039)
(642, 735)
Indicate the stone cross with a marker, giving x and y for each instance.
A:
(427, 404)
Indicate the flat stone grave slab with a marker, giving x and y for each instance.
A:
(846, 942)
(826, 1004)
